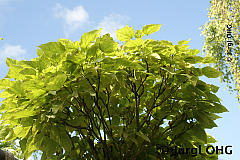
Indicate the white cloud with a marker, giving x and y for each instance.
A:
(11, 51)
(73, 19)
(112, 22)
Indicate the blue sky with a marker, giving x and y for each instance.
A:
(24, 25)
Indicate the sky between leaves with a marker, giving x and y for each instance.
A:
(24, 25)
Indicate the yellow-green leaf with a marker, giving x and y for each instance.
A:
(134, 43)
(125, 34)
(151, 28)
(139, 34)
(21, 132)
(57, 82)
(88, 38)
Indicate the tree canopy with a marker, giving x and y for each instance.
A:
(98, 98)
(222, 39)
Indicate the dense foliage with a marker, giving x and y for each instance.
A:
(102, 99)
(222, 39)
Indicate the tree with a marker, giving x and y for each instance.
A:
(101, 99)
(222, 39)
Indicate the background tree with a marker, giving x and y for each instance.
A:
(101, 99)
(223, 44)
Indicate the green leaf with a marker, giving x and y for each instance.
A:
(49, 146)
(182, 42)
(88, 38)
(6, 94)
(99, 60)
(213, 88)
(29, 64)
(217, 108)
(4, 132)
(197, 91)
(21, 114)
(140, 134)
(171, 71)
(196, 71)
(5, 83)
(52, 48)
(123, 91)
(115, 120)
(156, 55)
(139, 34)
(125, 34)
(213, 97)
(199, 133)
(65, 140)
(107, 44)
(57, 82)
(11, 62)
(10, 136)
(92, 51)
(78, 122)
(30, 149)
(23, 143)
(205, 119)
(210, 72)
(28, 71)
(21, 132)
(55, 108)
(133, 140)
(125, 135)
(210, 139)
(134, 43)
(35, 93)
(151, 28)
(17, 88)
(207, 60)
(193, 59)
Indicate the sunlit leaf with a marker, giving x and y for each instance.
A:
(125, 34)
(88, 38)
(151, 28)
